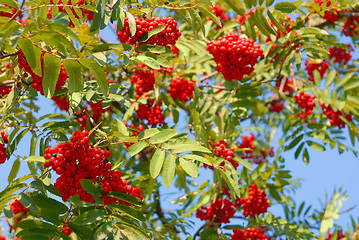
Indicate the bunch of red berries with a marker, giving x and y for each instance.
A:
(340, 55)
(181, 89)
(334, 117)
(62, 102)
(37, 80)
(320, 66)
(4, 91)
(218, 11)
(220, 211)
(97, 110)
(350, 26)
(151, 112)
(249, 233)
(18, 210)
(3, 151)
(61, 7)
(144, 78)
(332, 13)
(9, 15)
(261, 158)
(66, 230)
(235, 55)
(221, 150)
(247, 142)
(276, 106)
(77, 160)
(166, 37)
(255, 203)
(306, 103)
(340, 235)
(241, 19)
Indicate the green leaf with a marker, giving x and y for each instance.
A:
(196, 157)
(210, 15)
(52, 67)
(190, 148)
(129, 211)
(136, 148)
(153, 49)
(14, 170)
(111, 46)
(151, 33)
(74, 71)
(169, 168)
(92, 188)
(197, 18)
(90, 217)
(244, 163)
(236, 6)
(276, 23)
(149, 61)
(189, 167)
(330, 77)
(33, 58)
(260, 21)
(30, 224)
(98, 70)
(299, 150)
(285, 7)
(35, 159)
(316, 146)
(122, 128)
(163, 136)
(293, 143)
(305, 156)
(148, 133)
(344, 79)
(132, 23)
(125, 197)
(156, 163)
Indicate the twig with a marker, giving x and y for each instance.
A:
(17, 12)
(7, 83)
(208, 76)
(5, 55)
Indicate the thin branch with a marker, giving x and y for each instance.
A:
(17, 12)
(5, 55)
(7, 83)
(208, 76)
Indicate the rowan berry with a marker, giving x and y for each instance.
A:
(235, 55)
(3, 150)
(334, 116)
(340, 55)
(219, 211)
(221, 150)
(350, 27)
(321, 66)
(249, 233)
(255, 203)
(331, 13)
(276, 106)
(339, 236)
(66, 230)
(166, 37)
(181, 89)
(306, 103)
(151, 112)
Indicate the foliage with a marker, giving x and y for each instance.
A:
(184, 91)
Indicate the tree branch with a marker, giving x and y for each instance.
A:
(5, 55)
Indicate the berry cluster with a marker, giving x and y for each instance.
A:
(320, 66)
(4, 91)
(350, 26)
(334, 117)
(9, 15)
(306, 103)
(151, 112)
(247, 142)
(37, 80)
(221, 150)
(62, 102)
(166, 37)
(3, 151)
(218, 11)
(241, 19)
(61, 7)
(144, 78)
(331, 13)
(19, 211)
(97, 110)
(235, 55)
(256, 202)
(340, 235)
(66, 230)
(262, 156)
(181, 89)
(77, 160)
(276, 106)
(249, 233)
(220, 211)
(340, 55)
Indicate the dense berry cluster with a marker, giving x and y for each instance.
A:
(249, 233)
(340, 55)
(61, 8)
(181, 89)
(37, 80)
(247, 142)
(235, 55)
(334, 117)
(151, 112)
(331, 13)
(66, 230)
(320, 66)
(340, 235)
(166, 37)
(350, 27)
(62, 102)
(144, 78)
(97, 110)
(306, 102)
(3, 150)
(221, 150)
(220, 211)
(255, 203)
(77, 160)
(19, 211)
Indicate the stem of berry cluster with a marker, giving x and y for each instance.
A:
(5, 55)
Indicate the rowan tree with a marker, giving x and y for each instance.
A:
(149, 95)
